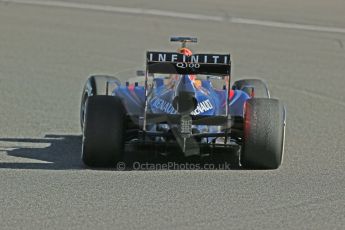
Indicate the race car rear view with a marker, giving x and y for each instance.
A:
(183, 104)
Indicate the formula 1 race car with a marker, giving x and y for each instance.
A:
(184, 103)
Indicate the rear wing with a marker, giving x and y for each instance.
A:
(176, 63)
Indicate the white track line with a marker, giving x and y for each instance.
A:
(287, 25)
(172, 14)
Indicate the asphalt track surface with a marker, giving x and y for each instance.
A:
(46, 54)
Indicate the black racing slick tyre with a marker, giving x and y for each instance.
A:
(260, 87)
(264, 134)
(94, 85)
(104, 131)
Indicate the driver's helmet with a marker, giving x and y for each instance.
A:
(188, 52)
(185, 51)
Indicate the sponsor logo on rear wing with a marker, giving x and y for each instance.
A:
(196, 58)
(169, 62)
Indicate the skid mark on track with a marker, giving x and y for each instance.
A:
(312, 94)
(340, 43)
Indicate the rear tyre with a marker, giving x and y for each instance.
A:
(260, 87)
(104, 131)
(264, 134)
(95, 85)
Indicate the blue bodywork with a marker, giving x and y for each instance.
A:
(210, 101)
